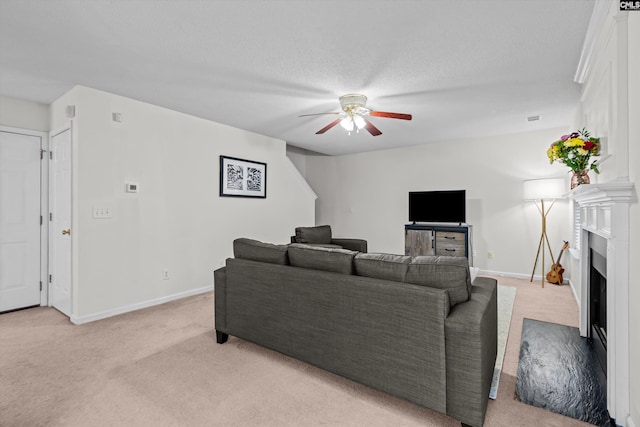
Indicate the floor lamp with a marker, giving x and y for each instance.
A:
(539, 190)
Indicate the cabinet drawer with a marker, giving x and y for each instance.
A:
(450, 236)
(450, 251)
(450, 243)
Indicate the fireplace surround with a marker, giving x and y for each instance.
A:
(604, 214)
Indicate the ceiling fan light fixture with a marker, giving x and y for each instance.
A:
(352, 116)
(351, 101)
(347, 123)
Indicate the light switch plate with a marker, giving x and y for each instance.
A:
(102, 212)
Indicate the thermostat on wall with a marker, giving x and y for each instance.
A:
(132, 187)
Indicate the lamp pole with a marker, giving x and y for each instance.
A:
(543, 238)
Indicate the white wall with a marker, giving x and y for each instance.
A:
(23, 114)
(177, 220)
(366, 195)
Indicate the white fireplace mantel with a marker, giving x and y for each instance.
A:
(604, 210)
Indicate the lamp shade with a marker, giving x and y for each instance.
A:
(546, 188)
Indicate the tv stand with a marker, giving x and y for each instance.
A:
(438, 240)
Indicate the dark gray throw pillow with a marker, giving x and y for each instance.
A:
(319, 258)
(319, 234)
(443, 272)
(255, 250)
(382, 266)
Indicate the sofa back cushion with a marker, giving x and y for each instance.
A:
(320, 258)
(319, 234)
(449, 273)
(382, 266)
(255, 250)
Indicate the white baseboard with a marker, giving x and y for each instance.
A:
(78, 320)
(536, 278)
(507, 274)
(573, 289)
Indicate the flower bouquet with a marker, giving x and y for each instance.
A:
(575, 150)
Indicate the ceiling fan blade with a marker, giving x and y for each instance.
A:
(371, 128)
(329, 126)
(316, 114)
(390, 115)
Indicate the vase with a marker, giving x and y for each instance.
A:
(580, 177)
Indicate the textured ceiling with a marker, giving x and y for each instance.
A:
(463, 68)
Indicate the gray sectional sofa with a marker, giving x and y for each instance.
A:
(414, 327)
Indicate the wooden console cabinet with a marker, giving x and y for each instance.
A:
(439, 240)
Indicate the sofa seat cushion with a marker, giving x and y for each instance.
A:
(444, 272)
(255, 250)
(319, 234)
(319, 258)
(382, 266)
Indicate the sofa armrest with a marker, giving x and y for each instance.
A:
(359, 245)
(220, 299)
(471, 347)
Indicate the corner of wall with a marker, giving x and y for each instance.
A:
(303, 182)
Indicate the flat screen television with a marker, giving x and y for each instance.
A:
(437, 206)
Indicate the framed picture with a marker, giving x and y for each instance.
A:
(242, 178)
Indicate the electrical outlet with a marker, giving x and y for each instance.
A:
(165, 274)
(490, 254)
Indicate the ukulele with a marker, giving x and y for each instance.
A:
(555, 274)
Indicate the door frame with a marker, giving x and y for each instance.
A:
(44, 206)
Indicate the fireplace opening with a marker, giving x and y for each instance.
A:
(598, 301)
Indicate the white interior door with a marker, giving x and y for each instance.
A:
(19, 220)
(60, 221)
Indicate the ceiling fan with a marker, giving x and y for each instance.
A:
(353, 115)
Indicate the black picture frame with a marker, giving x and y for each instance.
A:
(242, 178)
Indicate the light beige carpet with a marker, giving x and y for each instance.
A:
(506, 298)
(161, 367)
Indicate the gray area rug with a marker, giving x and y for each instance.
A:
(556, 371)
(506, 297)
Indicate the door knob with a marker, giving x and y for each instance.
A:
(66, 232)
